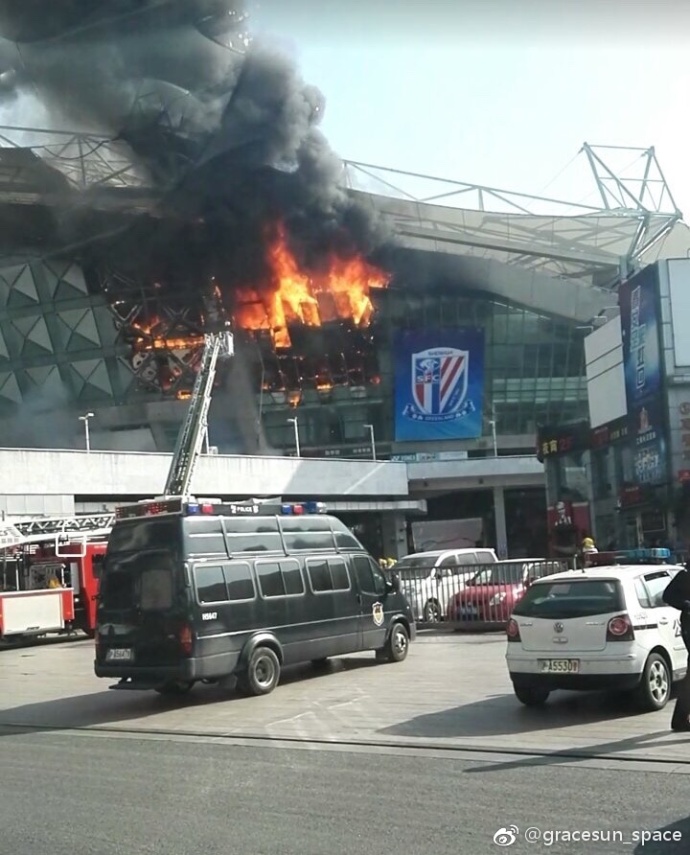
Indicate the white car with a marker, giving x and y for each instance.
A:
(430, 579)
(600, 628)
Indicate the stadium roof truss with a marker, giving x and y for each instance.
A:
(636, 223)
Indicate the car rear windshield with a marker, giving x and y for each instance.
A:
(576, 598)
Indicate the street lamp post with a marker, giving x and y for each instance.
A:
(373, 441)
(87, 439)
(295, 424)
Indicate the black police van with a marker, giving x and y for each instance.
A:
(210, 592)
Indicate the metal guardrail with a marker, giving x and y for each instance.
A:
(471, 597)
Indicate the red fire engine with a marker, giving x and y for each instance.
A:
(49, 575)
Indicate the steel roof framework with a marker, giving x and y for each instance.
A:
(637, 222)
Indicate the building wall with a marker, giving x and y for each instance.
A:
(109, 474)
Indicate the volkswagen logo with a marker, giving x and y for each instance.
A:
(558, 627)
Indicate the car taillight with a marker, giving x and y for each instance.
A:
(620, 628)
(186, 640)
(513, 630)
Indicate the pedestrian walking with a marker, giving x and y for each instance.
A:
(677, 595)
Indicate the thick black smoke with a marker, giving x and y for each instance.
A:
(225, 128)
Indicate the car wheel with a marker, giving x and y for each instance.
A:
(263, 672)
(531, 696)
(655, 687)
(397, 646)
(175, 688)
(432, 612)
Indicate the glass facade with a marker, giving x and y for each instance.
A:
(535, 373)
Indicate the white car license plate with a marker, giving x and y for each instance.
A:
(119, 654)
(559, 666)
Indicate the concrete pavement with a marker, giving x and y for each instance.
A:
(452, 692)
(83, 793)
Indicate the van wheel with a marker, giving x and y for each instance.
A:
(531, 696)
(175, 688)
(432, 612)
(397, 646)
(655, 687)
(262, 674)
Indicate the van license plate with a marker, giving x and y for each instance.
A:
(559, 666)
(119, 654)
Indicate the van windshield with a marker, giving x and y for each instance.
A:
(140, 568)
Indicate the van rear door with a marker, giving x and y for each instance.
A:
(143, 596)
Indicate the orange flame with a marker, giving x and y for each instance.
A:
(341, 291)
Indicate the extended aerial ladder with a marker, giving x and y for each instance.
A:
(218, 344)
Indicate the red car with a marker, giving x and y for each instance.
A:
(488, 599)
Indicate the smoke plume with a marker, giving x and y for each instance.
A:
(225, 127)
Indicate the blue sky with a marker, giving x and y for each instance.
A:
(496, 94)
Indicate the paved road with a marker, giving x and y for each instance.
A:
(452, 691)
(78, 794)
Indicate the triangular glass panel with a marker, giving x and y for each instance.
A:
(24, 284)
(9, 388)
(74, 277)
(39, 335)
(86, 367)
(100, 379)
(78, 344)
(39, 374)
(72, 317)
(87, 328)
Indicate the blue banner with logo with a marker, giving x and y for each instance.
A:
(439, 384)
(638, 299)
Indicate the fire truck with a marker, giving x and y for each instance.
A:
(49, 571)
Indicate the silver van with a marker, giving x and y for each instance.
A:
(430, 579)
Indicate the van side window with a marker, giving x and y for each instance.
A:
(238, 578)
(339, 574)
(205, 537)
(210, 584)
(279, 578)
(345, 540)
(249, 535)
(328, 574)
(369, 578)
(308, 541)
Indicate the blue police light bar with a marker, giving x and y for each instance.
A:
(653, 555)
(198, 507)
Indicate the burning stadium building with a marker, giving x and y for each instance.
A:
(366, 303)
